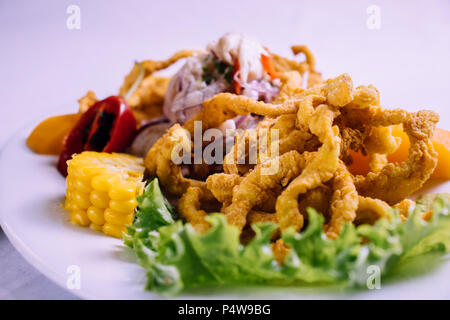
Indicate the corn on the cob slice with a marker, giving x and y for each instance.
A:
(102, 189)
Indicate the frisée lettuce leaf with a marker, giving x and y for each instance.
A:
(176, 257)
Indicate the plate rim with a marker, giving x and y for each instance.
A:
(17, 243)
(36, 262)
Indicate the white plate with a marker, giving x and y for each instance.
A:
(31, 193)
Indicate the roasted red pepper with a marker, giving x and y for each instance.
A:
(108, 126)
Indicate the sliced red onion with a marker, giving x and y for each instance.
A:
(148, 135)
(260, 90)
(151, 122)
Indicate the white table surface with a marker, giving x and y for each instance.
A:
(45, 67)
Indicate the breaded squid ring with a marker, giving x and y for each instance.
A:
(283, 65)
(317, 198)
(291, 87)
(253, 188)
(261, 217)
(215, 111)
(221, 186)
(289, 138)
(370, 210)
(320, 169)
(337, 92)
(310, 60)
(158, 162)
(189, 208)
(364, 97)
(377, 161)
(240, 151)
(225, 106)
(344, 201)
(151, 66)
(396, 181)
(378, 143)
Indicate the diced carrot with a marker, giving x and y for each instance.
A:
(268, 67)
(360, 164)
(48, 136)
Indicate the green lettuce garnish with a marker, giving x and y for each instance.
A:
(176, 257)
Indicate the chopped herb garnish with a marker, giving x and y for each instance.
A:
(213, 71)
(220, 66)
(229, 74)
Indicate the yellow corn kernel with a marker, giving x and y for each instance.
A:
(96, 227)
(118, 218)
(79, 218)
(69, 194)
(126, 206)
(72, 206)
(102, 189)
(81, 200)
(69, 183)
(96, 215)
(82, 186)
(99, 199)
(123, 192)
(102, 182)
(113, 230)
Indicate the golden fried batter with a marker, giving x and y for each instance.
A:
(221, 185)
(291, 86)
(370, 210)
(261, 217)
(87, 101)
(284, 65)
(189, 208)
(344, 201)
(225, 106)
(150, 92)
(253, 188)
(159, 163)
(365, 96)
(318, 198)
(320, 169)
(149, 67)
(316, 128)
(280, 251)
(403, 208)
(396, 181)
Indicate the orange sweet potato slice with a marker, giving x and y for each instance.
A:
(48, 136)
(441, 144)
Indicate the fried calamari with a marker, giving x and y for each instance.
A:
(305, 163)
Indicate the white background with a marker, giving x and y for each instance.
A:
(45, 67)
